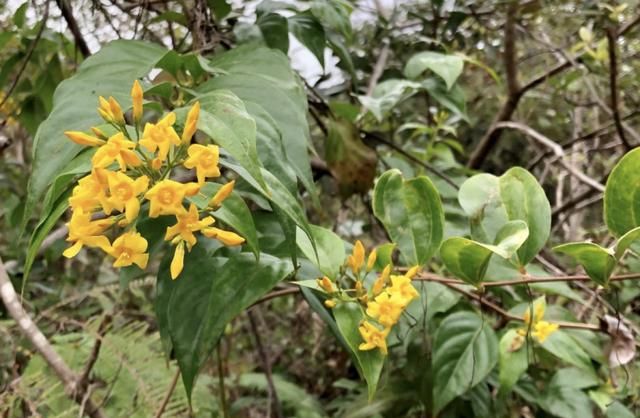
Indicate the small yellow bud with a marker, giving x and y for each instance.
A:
(192, 189)
(356, 259)
(380, 282)
(371, 261)
(190, 126)
(98, 132)
(104, 109)
(116, 111)
(412, 271)
(326, 284)
(177, 264)
(136, 96)
(330, 303)
(156, 163)
(222, 194)
(83, 139)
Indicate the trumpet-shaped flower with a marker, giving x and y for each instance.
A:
(130, 248)
(356, 259)
(160, 136)
(136, 96)
(166, 198)
(117, 148)
(402, 287)
(222, 194)
(188, 223)
(90, 193)
(386, 309)
(373, 337)
(85, 232)
(190, 126)
(177, 263)
(82, 138)
(204, 159)
(228, 238)
(124, 194)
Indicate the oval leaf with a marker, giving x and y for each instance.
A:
(621, 199)
(598, 262)
(330, 250)
(448, 67)
(412, 214)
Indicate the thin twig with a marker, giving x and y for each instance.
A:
(613, 85)
(83, 379)
(73, 27)
(221, 386)
(266, 365)
(27, 57)
(167, 396)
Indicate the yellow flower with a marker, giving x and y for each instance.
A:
(117, 148)
(82, 138)
(90, 193)
(83, 231)
(188, 223)
(204, 159)
(542, 330)
(538, 312)
(98, 133)
(110, 110)
(190, 125)
(166, 198)
(177, 263)
(228, 238)
(380, 282)
(326, 284)
(373, 337)
(130, 248)
(136, 96)
(124, 194)
(402, 287)
(160, 136)
(371, 260)
(330, 303)
(222, 194)
(386, 309)
(156, 164)
(356, 259)
(412, 271)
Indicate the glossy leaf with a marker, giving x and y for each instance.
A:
(275, 31)
(598, 262)
(194, 309)
(448, 67)
(333, 14)
(110, 72)
(387, 94)
(306, 28)
(513, 359)
(490, 202)
(412, 214)
(348, 317)
(330, 253)
(561, 345)
(621, 195)
(626, 241)
(465, 351)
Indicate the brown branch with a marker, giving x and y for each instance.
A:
(378, 67)
(44, 347)
(613, 85)
(27, 57)
(167, 396)
(73, 27)
(83, 379)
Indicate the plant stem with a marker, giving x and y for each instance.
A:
(221, 386)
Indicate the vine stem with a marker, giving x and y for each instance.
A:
(222, 389)
(167, 396)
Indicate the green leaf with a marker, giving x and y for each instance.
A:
(306, 28)
(330, 253)
(566, 403)
(275, 31)
(598, 262)
(621, 195)
(490, 202)
(513, 360)
(448, 67)
(333, 14)
(561, 345)
(233, 211)
(469, 260)
(574, 378)
(387, 94)
(110, 72)
(194, 309)
(220, 8)
(464, 352)
(224, 118)
(626, 241)
(384, 255)
(617, 410)
(264, 76)
(337, 45)
(412, 214)
(348, 316)
(453, 99)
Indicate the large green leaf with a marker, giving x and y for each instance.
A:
(622, 195)
(306, 28)
(333, 14)
(233, 211)
(224, 118)
(598, 262)
(387, 94)
(412, 214)
(348, 317)
(110, 72)
(330, 253)
(275, 31)
(469, 260)
(492, 201)
(194, 309)
(561, 345)
(465, 350)
(513, 360)
(448, 67)
(264, 76)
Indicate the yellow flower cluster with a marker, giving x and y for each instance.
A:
(382, 305)
(540, 329)
(126, 172)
